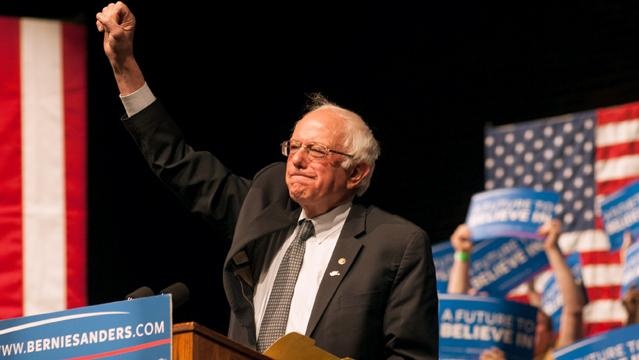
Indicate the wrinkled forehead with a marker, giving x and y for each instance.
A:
(322, 125)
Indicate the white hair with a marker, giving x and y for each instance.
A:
(357, 138)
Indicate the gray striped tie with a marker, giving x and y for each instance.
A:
(279, 302)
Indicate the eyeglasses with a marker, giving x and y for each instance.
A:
(317, 151)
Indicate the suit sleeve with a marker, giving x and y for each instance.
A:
(411, 320)
(198, 178)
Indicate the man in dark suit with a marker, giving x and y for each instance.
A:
(364, 282)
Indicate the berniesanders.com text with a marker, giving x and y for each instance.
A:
(82, 338)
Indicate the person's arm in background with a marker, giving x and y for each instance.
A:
(459, 279)
(118, 25)
(571, 323)
(625, 244)
(630, 300)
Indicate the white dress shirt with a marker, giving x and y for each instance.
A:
(319, 249)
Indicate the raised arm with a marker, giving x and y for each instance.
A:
(571, 323)
(198, 178)
(459, 279)
(117, 23)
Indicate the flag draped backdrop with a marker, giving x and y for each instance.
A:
(42, 166)
(584, 157)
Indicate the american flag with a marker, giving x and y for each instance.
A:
(42, 166)
(584, 157)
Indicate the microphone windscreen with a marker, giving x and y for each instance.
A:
(143, 291)
(179, 292)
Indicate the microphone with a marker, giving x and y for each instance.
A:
(140, 292)
(179, 293)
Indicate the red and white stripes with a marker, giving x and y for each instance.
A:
(42, 166)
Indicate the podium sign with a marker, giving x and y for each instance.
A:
(131, 329)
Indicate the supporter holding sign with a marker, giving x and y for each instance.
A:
(571, 323)
(620, 213)
(621, 343)
(630, 278)
(470, 325)
(499, 265)
(551, 301)
(630, 274)
(516, 212)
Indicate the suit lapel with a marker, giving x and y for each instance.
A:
(346, 250)
(270, 220)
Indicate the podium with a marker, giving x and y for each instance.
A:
(134, 329)
(192, 341)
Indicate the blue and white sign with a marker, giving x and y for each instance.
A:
(620, 212)
(499, 265)
(516, 212)
(617, 344)
(132, 329)
(630, 272)
(443, 258)
(468, 325)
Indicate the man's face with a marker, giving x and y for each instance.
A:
(318, 184)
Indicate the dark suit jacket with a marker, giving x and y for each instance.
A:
(383, 303)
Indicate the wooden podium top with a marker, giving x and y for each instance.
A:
(194, 341)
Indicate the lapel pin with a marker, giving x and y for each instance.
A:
(341, 261)
(334, 273)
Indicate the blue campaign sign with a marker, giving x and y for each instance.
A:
(551, 300)
(620, 212)
(517, 212)
(620, 343)
(132, 329)
(443, 258)
(468, 325)
(499, 265)
(630, 272)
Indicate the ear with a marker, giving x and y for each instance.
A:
(357, 174)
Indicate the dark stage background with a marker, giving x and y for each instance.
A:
(427, 78)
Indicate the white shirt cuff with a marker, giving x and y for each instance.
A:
(137, 100)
